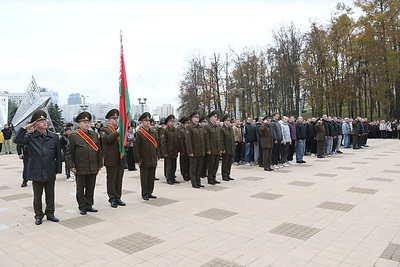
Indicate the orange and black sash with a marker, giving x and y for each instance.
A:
(87, 139)
(149, 137)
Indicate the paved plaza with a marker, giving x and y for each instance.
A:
(339, 211)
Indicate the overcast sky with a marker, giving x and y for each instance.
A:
(73, 46)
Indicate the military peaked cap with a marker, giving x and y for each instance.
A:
(194, 114)
(39, 115)
(114, 113)
(145, 116)
(226, 118)
(212, 113)
(184, 119)
(83, 116)
(204, 118)
(169, 118)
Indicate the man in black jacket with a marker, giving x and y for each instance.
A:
(44, 163)
(23, 153)
(301, 138)
(7, 139)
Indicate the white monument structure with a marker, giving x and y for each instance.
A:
(31, 101)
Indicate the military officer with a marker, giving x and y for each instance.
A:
(213, 147)
(146, 155)
(84, 158)
(170, 145)
(195, 145)
(228, 147)
(115, 164)
(44, 163)
(204, 170)
(356, 132)
(267, 143)
(320, 137)
(184, 160)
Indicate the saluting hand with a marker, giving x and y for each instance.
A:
(32, 124)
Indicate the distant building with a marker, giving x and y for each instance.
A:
(16, 97)
(74, 99)
(3, 110)
(137, 110)
(98, 111)
(44, 92)
(164, 110)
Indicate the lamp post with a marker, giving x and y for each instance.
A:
(237, 93)
(84, 106)
(142, 103)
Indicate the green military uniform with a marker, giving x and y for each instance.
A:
(184, 160)
(213, 148)
(320, 137)
(115, 165)
(195, 145)
(356, 133)
(228, 149)
(146, 154)
(170, 145)
(267, 143)
(87, 162)
(204, 168)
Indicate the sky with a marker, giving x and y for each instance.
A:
(73, 46)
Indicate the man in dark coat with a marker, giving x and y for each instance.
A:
(301, 137)
(115, 164)
(7, 132)
(63, 144)
(356, 132)
(84, 158)
(146, 154)
(277, 129)
(267, 143)
(23, 153)
(44, 163)
(196, 148)
(228, 148)
(320, 136)
(170, 145)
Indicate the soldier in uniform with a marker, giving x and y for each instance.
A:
(146, 155)
(228, 148)
(195, 145)
(204, 170)
(170, 145)
(115, 164)
(267, 143)
(213, 147)
(356, 132)
(320, 136)
(84, 158)
(184, 160)
(44, 163)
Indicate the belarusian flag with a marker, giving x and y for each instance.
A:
(124, 106)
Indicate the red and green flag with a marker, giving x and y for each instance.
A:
(124, 106)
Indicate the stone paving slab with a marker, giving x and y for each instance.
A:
(339, 212)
